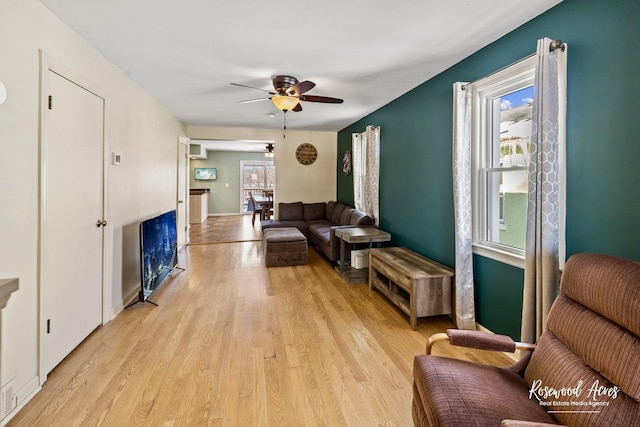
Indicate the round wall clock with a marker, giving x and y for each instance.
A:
(306, 153)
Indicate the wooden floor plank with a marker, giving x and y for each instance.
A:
(235, 343)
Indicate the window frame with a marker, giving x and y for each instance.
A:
(509, 79)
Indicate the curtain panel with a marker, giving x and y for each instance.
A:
(544, 247)
(358, 167)
(463, 210)
(365, 148)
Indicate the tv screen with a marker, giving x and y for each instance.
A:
(158, 250)
(205, 173)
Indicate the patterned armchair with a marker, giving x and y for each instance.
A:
(583, 371)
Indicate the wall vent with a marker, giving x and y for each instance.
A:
(8, 400)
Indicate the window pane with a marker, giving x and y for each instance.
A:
(507, 210)
(271, 176)
(511, 143)
(506, 190)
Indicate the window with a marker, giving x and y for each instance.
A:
(366, 171)
(256, 177)
(502, 112)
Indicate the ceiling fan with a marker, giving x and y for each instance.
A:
(289, 92)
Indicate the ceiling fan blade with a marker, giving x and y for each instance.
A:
(253, 100)
(297, 108)
(257, 88)
(300, 88)
(325, 99)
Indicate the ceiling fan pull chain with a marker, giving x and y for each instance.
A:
(284, 132)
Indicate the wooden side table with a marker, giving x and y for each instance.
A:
(419, 286)
(353, 235)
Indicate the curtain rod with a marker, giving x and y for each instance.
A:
(555, 44)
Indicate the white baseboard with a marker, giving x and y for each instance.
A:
(129, 298)
(227, 214)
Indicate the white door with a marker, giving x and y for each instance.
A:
(183, 182)
(72, 217)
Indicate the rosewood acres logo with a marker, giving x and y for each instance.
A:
(578, 399)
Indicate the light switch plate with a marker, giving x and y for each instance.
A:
(116, 159)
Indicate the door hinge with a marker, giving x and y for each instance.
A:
(50, 102)
(48, 326)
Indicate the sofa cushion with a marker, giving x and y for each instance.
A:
(291, 211)
(360, 218)
(345, 218)
(337, 213)
(330, 207)
(283, 235)
(319, 222)
(321, 229)
(315, 211)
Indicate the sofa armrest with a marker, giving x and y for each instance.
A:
(518, 423)
(479, 340)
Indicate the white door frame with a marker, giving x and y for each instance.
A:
(185, 142)
(47, 64)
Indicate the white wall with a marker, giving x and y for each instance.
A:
(294, 181)
(139, 129)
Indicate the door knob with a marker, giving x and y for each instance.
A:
(101, 223)
(180, 201)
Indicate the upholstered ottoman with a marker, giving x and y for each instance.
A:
(284, 246)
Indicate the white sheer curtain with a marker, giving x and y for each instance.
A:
(358, 164)
(544, 251)
(464, 294)
(366, 171)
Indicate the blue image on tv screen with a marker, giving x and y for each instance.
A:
(158, 250)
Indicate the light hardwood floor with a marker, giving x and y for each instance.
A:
(234, 343)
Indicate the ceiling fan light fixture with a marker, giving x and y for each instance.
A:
(285, 103)
(269, 152)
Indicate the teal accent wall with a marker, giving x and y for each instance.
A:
(223, 199)
(603, 148)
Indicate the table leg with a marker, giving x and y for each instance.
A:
(342, 258)
(413, 318)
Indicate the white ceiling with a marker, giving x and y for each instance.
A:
(368, 52)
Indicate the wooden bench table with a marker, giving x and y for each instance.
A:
(417, 285)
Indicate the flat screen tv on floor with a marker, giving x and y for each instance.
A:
(158, 251)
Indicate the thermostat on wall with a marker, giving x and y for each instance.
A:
(116, 159)
(3, 93)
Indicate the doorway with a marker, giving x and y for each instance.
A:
(72, 223)
(256, 176)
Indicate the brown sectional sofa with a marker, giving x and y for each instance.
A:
(318, 221)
